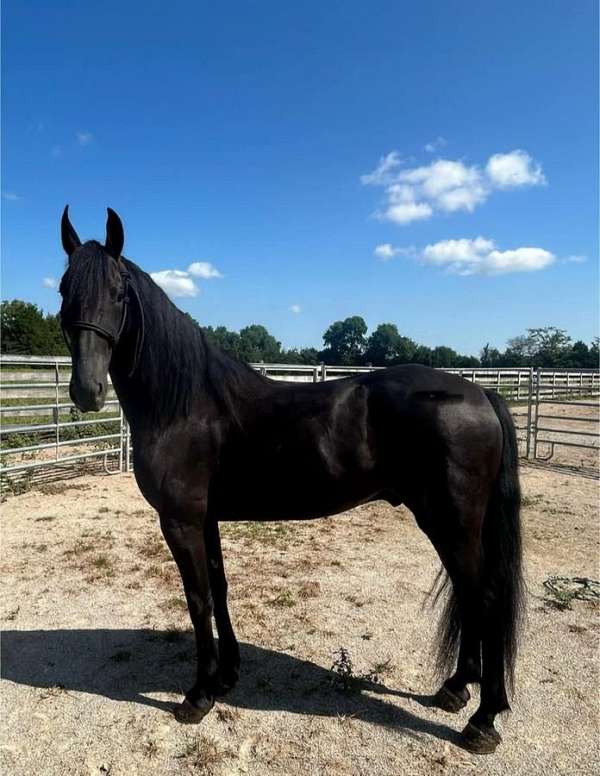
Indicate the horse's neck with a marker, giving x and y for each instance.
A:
(177, 370)
(140, 382)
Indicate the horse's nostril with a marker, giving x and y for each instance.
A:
(100, 389)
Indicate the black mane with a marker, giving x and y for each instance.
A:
(177, 360)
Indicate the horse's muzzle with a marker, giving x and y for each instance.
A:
(88, 397)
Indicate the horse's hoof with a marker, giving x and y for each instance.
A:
(480, 741)
(447, 700)
(189, 714)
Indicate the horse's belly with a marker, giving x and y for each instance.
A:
(280, 492)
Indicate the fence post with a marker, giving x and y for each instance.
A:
(537, 410)
(127, 433)
(121, 440)
(316, 374)
(56, 411)
(529, 414)
(323, 372)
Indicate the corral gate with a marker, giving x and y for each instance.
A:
(39, 423)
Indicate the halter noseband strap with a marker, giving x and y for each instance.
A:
(113, 338)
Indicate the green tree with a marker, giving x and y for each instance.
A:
(256, 344)
(443, 356)
(594, 354)
(579, 355)
(27, 331)
(423, 355)
(345, 341)
(223, 338)
(489, 356)
(302, 356)
(386, 346)
(382, 345)
(549, 346)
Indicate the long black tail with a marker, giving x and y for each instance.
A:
(503, 575)
(502, 581)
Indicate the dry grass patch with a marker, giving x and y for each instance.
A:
(58, 488)
(256, 531)
(80, 547)
(175, 603)
(103, 565)
(154, 548)
(203, 755)
(150, 749)
(309, 589)
(284, 598)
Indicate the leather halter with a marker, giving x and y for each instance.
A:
(110, 336)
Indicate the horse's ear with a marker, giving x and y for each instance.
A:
(114, 234)
(69, 237)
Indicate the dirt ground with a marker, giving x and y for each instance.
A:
(96, 645)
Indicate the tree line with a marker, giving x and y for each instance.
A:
(27, 330)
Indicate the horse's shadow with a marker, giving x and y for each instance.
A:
(123, 665)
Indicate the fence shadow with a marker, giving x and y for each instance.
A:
(126, 665)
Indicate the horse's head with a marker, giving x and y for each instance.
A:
(93, 310)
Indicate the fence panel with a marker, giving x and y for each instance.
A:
(40, 428)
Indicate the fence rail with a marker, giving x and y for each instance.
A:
(40, 427)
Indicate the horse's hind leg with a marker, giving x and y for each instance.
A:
(454, 529)
(462, 610)
(229, 652)
(461, 621)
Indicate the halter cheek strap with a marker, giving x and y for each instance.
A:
(112, 337)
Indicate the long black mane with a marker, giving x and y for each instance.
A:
(177, 361)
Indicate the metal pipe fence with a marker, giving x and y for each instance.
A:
(41, 429)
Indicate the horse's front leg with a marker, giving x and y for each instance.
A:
(184, 533)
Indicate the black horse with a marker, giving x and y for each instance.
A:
(214, 440)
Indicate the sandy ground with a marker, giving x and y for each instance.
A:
(96, 645)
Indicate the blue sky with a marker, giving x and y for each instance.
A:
(391, 160)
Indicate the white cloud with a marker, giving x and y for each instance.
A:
(383, 173)
(175, 282)
(179, 283)
(481, 257)
(447, 185)
(387, 251)
(10, 196)
(406, 212)
(462, 251)
(84, 138)
(295, 308)
(576, 259)
(439, 142)
(50, 283)
(204, 269)
(517, 168)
